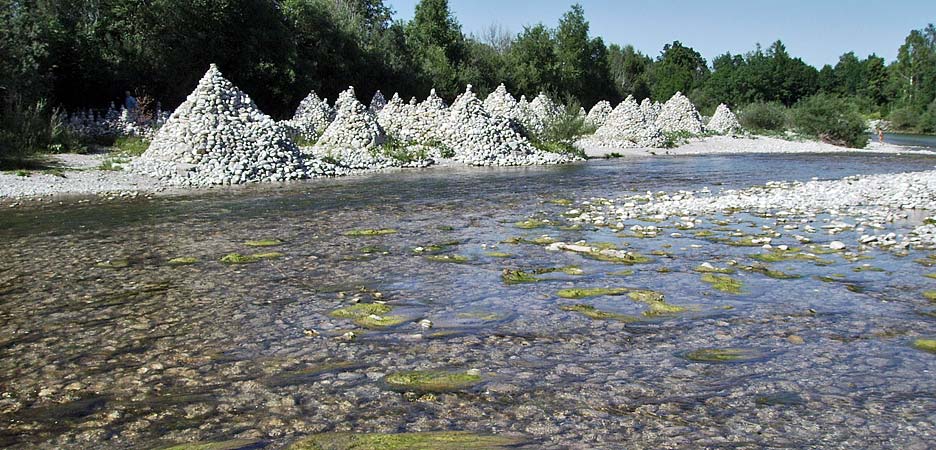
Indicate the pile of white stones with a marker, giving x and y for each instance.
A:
(311, 118)
(115, 123)
(723, 121)
(481, 139)
(679, 115)
(599, 114)
(626, 126)
(219, 136)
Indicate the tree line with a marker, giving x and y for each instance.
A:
(85, 53)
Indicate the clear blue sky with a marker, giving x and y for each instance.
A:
(818, 31)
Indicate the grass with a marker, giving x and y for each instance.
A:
(131, 145)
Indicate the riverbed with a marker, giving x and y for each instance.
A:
(109, 343)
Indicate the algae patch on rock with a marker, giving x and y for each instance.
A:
(444, 440)
(723, 283)
(497, 254)
(576, 293)
(370, 232)
(369, 315)
(656, 301)
(594, 313)
(237, 258)
(927, 345)
(723, 355)
(183, 261)
(457, 259)
(236, 444)
(431, 380)
(530, 224)
(264, 243)
(930, 295)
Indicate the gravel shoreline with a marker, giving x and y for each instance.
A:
(80, 178)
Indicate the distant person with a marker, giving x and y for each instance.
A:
(880, 135)
(131, 103)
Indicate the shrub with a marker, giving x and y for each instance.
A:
(24, 131)
(832, 119)
(764, 116)
(131, 145)
(560, 134)
(904, 119)
(927, 122)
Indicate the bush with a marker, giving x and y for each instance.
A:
(25, 130)
(560, 135)
(832, 119)
(904, 119)
(131, 145)
(927, 122)
(764, 116)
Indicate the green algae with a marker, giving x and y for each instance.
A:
(590, 292)
(518, 277)
(113, 264)
(622, 273)
(530, 224)
(235, 444)
(183, 261)
(237, 258)
(790, 255)
(360, 310)
(927, 345)
(596, 314)
(655, 301)
(930, 275)
(722, 355)
(628, 258)
(713, 269)
(446, 440)
(498, 255)
(264, 243)
(704, 234)
(723, 283)
(308, 374)
(370, 232)
(457, 259)
(431, 380)
(375, 250)
(930, 295)
(770, 273)
(369, 315)
(868, 269)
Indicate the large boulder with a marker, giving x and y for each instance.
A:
(679, 115)
(219, 136)
(724, 121)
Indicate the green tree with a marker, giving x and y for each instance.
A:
(679, 68)
(533, 62)
(630, 71)
(438, 45)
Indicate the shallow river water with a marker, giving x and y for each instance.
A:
(105, 344)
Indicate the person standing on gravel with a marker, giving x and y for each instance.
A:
(131, 103)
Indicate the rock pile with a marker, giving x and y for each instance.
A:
(599, 113)
(501, 104)
(540, 114)
(354, 139)
(377, 103)
(115, 123)
(679, 115)
(626, 126)
(482, 139)
(311, 118)
(650, 109)
(724, 121)
(218, 136)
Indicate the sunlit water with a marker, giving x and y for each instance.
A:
(153, 354)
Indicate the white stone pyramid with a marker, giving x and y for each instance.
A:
(724, 121)
(679, 115)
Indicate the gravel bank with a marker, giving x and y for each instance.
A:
(715, 145)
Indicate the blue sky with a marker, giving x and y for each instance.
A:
(818, 31)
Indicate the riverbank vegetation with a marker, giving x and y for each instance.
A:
(79, 54)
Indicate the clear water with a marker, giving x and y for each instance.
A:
(151, 354)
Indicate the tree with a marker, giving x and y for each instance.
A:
(678, 68)
(533, 61)
(581, 61)
(438, 45)
(629, 70)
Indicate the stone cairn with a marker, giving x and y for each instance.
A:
(482, 139)
(679, 115)
(377, 103)
(219, 136)
(626, 126)
(650, 109)
(536, 118)
(599, 113)
(355, 138)
(724, 121)
(311, 118)
(501, 104)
